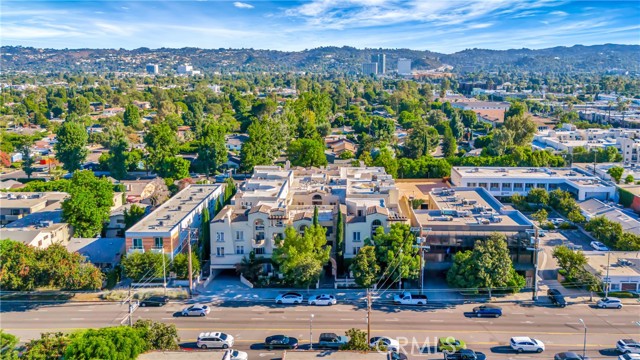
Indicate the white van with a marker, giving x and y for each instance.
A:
(211, 340)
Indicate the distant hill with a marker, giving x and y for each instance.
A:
(578, 58)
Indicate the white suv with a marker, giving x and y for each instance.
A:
(211, 340)
(628, 346)
(524, 343)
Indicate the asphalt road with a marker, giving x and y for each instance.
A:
(250, 323)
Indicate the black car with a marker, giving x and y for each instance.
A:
(567, 356)
(155, 301)
(464, 354)
(280, 342)
(487, 311)
(556, 297)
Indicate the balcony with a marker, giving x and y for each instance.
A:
(135, 249)
(257, 243)
(157, 250)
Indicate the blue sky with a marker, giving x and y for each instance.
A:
(442, 25)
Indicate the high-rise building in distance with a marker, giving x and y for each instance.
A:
(370, 68)
(381, 60)
(404, 66)
(153, 69)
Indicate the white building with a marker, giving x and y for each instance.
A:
(187, 69)
(404, 66)
(502, 182)
(568, 137)
(624, 269)
(370, 68)
(274, 198)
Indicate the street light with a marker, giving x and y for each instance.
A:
(584, 346)
(606, 280)
(311, 332)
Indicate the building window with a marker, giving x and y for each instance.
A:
(137, 243)
(239, 250)
(356, 236)
(259, 251)
(15, 211)
(239, 236)
(219, 236)
(316, 200)
(259, 225)
(355, 250)
(302, 228)
(220, 252)
(374, 225)
(158, 243)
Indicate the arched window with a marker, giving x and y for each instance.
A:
(316, 199)
(259, 229)
(302, 228)
(374, 225)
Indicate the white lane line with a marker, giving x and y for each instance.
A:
(301, 319)
(85, 310)
(436, 320)
(253, 319)
(166, 318)
(346, 319)
(517, 313)
(391, 320)
(41, 310)
(482, 321)
(77, 319)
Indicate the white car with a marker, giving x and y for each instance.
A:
(196, 310)
(289, 298)
(598, 246)
(629, 357)
(235, 355)
(323, 299)
(210, 340)
(525, 343)
(627, 346)
(609, 303)
(389, 343)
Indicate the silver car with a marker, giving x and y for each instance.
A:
(609, 303)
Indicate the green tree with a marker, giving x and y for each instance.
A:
(71, 145)
(132, 117)
(616, 173)
(132, 215)
(316, 220)
(628, 180)
(300, 257)
(572, 262)
(365, 267)
(605, 230)
(357, 340)
(50, 346)
(205, 243)
(8, 345)
(422, 140)
(260, 149)
(540, 216)
(340, 239)
(79, 106)
(457, 128)
(386, 159)
(181, 265)
(212, 151)
(575, 216)
(522, 128)
(306, 153)
(66, 270)
(162, 146)
(27, 160)
(139, 266)
(115, 343)
(395, 252)
(118, 151)
(449, 145)
(517, 108)
(88, 207)
(158, 335)
(538, 196)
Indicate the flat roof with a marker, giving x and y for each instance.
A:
(21, 200)
(418, 188)
(543, 174)
(98, 250)
(334, 355)
(621, 263)
(174, 210)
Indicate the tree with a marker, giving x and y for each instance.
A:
(133, 215)
(316, 220)
(457, 128)
(605, 230)
(575, 216)
(628, 180)
(181, 265)
(340, 240)
(49, 346)
(522, 128)
(116, 343)
(118, 151)
(300, 257)
(306, 153)
(517, 108)
(260, 149)
(158, 335)
(141, 266)
(357, 340)
(71, 145)
(88, 206)
(8, 345)
(132, 117)
(18, 269)
(79, 106)
(365, 268)
(616, 173)
(538, 196)
(386, 159)
(422, 140)
(27, 160)
(540, 216)
(395, 252)
(572, 262)
(212, 151)
(449, 145)
(162, 146)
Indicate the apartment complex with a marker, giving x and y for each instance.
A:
(275, 198)
(168, 227)
(503, 182)
(16, 206)
(404, 66)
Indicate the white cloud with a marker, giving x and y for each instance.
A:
(242, 5)
(558, 13)
(479, 26)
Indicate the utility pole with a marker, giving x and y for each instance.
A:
(606, 280)
(190, 263)
(535, 275)
(164, 272)
(368, 316)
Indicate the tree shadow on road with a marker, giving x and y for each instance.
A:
(27, 302)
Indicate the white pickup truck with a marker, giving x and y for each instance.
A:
(410, 299)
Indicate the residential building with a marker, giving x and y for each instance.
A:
(370, 68)
(594, 208)
(234, 142)
(568, 138)
(116, 225)
(404, 66)
(487, 111)
(153, 69)
(16, 205)
(275, 198)
(105, 253)
(168, 228)
(187, 69)
(624, 269)
(140, 190)
(381, 60)
(504, 182)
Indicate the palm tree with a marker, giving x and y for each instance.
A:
(623, 106)
(609, 105)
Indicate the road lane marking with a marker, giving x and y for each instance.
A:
(257, 319)
(85, 310)
(346, 319)
(432, 320)
(77, 319)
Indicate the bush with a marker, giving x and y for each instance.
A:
(620, 294)
(566, 226)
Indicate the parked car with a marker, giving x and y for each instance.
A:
(556, 297)
(408, 298)
(487, 311)
(394, 355)
(212, 340)
(628, 346)
(609, 303)
(235, 355)
(629, 357)
(196, 310)
(389, 343)
(451, 344)
(289, 298)
(465, 354)
(155, 301)
(280, 342)
(323, 299)
(526, 344)
(331, 341)
(568, 356)
(598, 246)
(556, 221)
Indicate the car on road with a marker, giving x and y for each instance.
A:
(155, 301)
(629, 357)
(289, 298)
(393, 355)
(378, 341)
(487, 310)
(556, 297)
(235, 355)
(213, 340)
(598, 246)
(451, 344)
(196, 310)
(465, 354)
(609, 303)
(323, 299)
(556, 221)
(526, 344)
(331, 341)
(408, 298)
(628, 346)
(280, 342)
(568, 356)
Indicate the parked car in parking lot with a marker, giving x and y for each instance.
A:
(556, 297)
(212, 340)
(526, 344)
(609, 303)
(628, 346)
(155, 301)
(196, 310)
(323, 299)
(487, 310)
(289, 298)
(598, 246)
